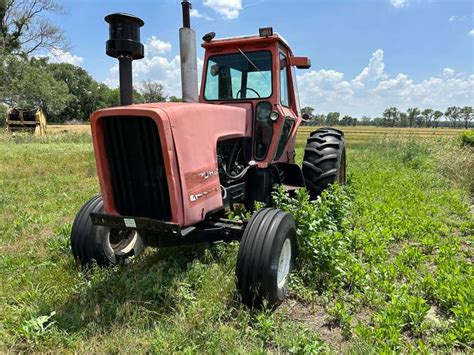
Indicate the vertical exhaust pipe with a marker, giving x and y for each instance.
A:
(188, 55)
(124, 44)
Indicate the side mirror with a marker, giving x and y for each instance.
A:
(306, 117)
(300, 62)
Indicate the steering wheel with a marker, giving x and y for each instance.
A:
(240, 92)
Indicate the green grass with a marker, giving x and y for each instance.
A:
(385, 265)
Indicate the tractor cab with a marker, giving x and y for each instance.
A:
(255, 72)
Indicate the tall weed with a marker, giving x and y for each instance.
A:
(454, 162)
(323, 241)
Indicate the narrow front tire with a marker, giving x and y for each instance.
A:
(102, 245)
(266, 257)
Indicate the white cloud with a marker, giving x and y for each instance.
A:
(374, 71)
(448, 72)
(59, 56)
(196, 14)
(229, 9)
(400, 86)
(156, 46)
(155, 68)
(471, 32)
(371, 91)
(458, 18)
(324, 85)
(399, 3)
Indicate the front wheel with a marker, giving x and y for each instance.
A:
(266, 256)
(106, 246)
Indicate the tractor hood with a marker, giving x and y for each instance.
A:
(188, 134)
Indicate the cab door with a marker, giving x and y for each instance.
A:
(288, 112)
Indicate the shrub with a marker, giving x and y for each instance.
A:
(414, 154)
(467, 138)
(322, 235)
(3, 112)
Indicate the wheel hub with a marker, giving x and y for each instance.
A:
(284, 263)
(122, 241)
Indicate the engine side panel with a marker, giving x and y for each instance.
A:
(196, 129)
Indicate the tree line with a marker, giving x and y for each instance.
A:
(65, 92)
(454, 117)
(28, 81)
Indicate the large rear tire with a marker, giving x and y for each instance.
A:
(103, 245)
(266, 257)
(324, 160)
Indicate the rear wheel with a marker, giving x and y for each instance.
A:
(105, 246)
(266, 257)
(324, 160)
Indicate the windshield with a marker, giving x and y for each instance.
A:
(242, 75)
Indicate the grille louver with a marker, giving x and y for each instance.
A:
(137, 170)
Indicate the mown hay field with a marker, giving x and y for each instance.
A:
(386, 263)
(362, 134)
(353, 135)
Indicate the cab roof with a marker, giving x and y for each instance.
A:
(247, 40)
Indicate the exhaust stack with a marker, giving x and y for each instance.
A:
(124, 44)
(187, 48)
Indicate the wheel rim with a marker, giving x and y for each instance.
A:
(284, 263)
(122, 241)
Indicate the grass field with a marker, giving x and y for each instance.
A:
(386, 264)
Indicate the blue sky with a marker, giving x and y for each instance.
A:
(366, 55)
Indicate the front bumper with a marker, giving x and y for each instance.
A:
(162, 234)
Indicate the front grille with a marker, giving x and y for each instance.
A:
(137, 171)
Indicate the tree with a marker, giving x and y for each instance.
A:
(174, 99)
(319, 119)
(427, 115)
(403, 119)
(332, 118)
(24, 29)
(436, 116)
(467, 115)
(82, 88)
(412, 115)
(347, 120)
(152, 91)
(453, 113)
(391, 117)
(378, 121)
(28, 85)
(366, 121)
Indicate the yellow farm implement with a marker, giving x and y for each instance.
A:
(26, 121)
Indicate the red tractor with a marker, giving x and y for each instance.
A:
(170, 172)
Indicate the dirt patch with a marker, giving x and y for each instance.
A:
(315, 318)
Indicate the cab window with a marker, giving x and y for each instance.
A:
(284, 92)
(238, 76)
